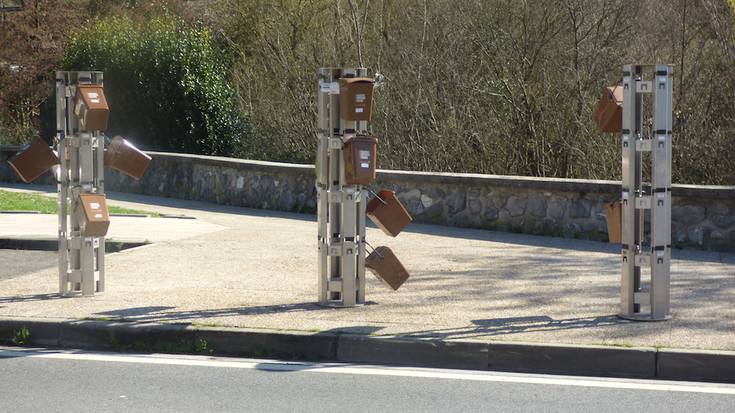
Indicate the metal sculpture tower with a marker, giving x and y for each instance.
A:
(646, 246)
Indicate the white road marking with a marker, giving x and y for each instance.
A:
(346, 368)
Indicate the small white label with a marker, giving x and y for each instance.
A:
(659, 253)
(364, 165)
(358, 110)
(98, 215)
(329, 87)
(364, 154)
(360, 97)
(93, 97)
(94, 205)
(660, 195)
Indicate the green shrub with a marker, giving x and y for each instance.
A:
(13, 133)
(165, 82)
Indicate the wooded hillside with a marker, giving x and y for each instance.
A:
(486, 86)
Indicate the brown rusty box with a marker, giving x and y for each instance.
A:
(385, 265)
(126, 158)
(91, 211)
(388, 213)
(356, 98)
(609, 111)
(359, 154)
(91, 108)
(32, 162)
(613, 215)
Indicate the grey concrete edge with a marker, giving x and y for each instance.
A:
(509, 181)
(583, 360)
(42, 243)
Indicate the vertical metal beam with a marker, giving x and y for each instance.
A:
(63, 183)
(99, 153)
(661, 192)
(362, 250)
(322, 181)
(629, 176)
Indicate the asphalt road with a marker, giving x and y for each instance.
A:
(15, 263)
(53, 381)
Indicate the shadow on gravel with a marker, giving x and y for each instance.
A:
(514, 325)
(163, 314)
(26, 298)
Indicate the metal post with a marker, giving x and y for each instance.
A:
(639, 197)
(340, 206)
(81, 170)
(661, 193)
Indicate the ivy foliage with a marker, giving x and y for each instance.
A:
(166, 83)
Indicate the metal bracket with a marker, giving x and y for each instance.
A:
(642, 260)
(335, 284)
(642, 297)
(346, 194)
(643, 145)
(643, 202)
(335, 143)
(644, 87)
(345, 248)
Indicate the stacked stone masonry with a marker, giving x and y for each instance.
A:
(702, 216)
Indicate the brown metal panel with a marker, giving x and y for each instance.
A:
(360, 155)
(608, 114)
(94, 220)
(32, 162)
(385, 265)
(126, 158)
(388, 213)
(91, 108)
(356, 98)
(613, 212)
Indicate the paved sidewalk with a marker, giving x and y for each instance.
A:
(127, 228)
(257, 269)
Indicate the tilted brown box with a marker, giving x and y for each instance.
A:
(126, 158)
(91, 211)
(356, 98)
(388, 213)
(360, 153)
(33, 161)
(609, 111)
(91, 108)
(385, 265)
(613, 215)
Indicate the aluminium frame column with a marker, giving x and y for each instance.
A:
(638, 197)
(81, 258)
(661, 193)
(340, 206)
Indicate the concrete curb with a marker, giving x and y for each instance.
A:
(637, 362)
(696, 365)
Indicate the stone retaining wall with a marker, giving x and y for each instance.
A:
(702, 216)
